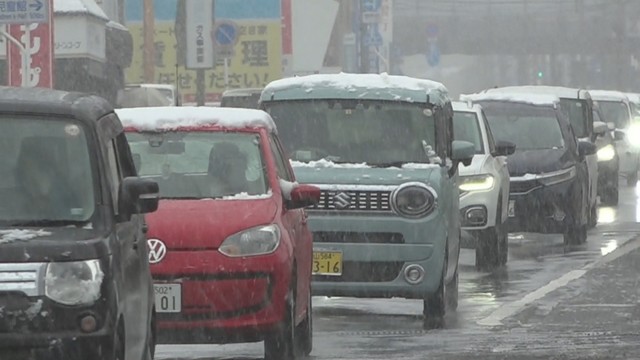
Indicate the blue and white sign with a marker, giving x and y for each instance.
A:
(226, 34)
(24, 11)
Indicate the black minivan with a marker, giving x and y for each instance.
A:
(74, 270)
(549, 190)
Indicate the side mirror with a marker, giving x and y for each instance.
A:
(600, 128)
(619, 135)
(138, 196)
(504, 148)
(611, 126)
(586, 148)
(303, 196)
(463, 152)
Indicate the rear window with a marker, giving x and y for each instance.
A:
(197, 165)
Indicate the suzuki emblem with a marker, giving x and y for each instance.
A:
(342, 201)
(157, 250)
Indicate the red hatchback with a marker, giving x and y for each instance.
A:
(229, 247)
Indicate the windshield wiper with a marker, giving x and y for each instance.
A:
(48, 223)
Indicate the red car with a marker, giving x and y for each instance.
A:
(230, 250)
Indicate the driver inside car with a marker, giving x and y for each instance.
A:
(227, 170)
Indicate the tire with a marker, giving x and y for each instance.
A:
(632, 179)
(304, 332)
(280, 344)
(593, 216)
(151, 339)
(610, 194)
(451, 293)
(491, 248)
(576, 235)
(119, 343)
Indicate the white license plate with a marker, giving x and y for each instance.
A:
(512, 208)
(168, 298)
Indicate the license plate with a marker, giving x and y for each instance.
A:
(512, 208)
(327, 263)
(168, 298)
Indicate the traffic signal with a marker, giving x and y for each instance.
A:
(540, 74)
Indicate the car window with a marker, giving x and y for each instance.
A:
(201, 164)
(492, 142)
(616, 112)
(46, 171)
(283, 169)
(466, 127)
(577, 112)
(114, 173)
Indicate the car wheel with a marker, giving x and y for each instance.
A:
(304, 331)
(593, 216)
(151, 338)
(576, 235)
(488, 248)
(451, 293)
(435, 305)
(504, 248)
(632, 179)
(280, 344)
(610, 193)
(119, 343)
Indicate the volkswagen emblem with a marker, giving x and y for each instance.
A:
(157, 250)
(342, 201)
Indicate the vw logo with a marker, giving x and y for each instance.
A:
(342, 201)
(157, 250)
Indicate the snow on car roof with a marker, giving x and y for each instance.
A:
(465, 106)
(519, 97)
(364, 86)
(633, 97)
(608, 95)
(173, 117)
(559, 91)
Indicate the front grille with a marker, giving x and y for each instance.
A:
(357, 238)
(21, 278)
(354, 200)
(365, 272)
(519, 187)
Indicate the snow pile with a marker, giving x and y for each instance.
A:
(287, 187)
(420, 166)
(323, 163)
(559, 91)
(519, 97)
(175, 117)
(7, 236)
(79, 7)
(246, 196)
(351, 82)
(607, 95)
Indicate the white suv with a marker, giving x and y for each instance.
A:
(484, 187)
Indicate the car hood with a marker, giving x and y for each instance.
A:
(51, 244)
(205, 224)
(538, 161)
(475, 168)
(366, 175)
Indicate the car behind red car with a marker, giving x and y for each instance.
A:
(229, 247)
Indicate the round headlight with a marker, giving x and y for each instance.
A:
(414, 200)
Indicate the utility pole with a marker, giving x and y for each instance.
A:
(148, 54)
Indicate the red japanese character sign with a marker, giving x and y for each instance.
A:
(39, 37)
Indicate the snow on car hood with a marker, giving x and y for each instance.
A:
(476, 167)
(8, 236)
(367, 175)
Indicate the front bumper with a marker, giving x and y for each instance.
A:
(223, 300)
(539, 209)
(480, 201)
(376, 252)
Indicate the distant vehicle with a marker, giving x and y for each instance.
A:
(231, 252)
(381, 148)
(549, 183)
(578, 107)
(608, 158)
(241, 98)
(616, 107)
(167, 91)
(74, 264)
(484, 186)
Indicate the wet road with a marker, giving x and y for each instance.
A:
(492, 314)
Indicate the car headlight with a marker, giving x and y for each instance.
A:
(476, 183)
(74, 283)
(606, 153)
(557, 177)
(257, 241)
(414, 200)
(633, 135)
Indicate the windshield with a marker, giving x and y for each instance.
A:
(578, 113)
(46, 173)
(376, 133)
(616, 112)
(529, 127)
(246, 101)
(466, 127)
(196, 165)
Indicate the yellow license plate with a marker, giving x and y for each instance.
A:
(327, 263)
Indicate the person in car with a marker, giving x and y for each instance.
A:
(227, 169)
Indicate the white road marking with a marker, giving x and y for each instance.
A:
(514, 307)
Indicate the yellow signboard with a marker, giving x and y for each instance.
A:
(257, 60)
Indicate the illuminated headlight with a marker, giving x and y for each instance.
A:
(633, 135)
(606, 153)
(257, 241)
(557, 177)
(74, 283)
(476, 183)
(414, 200)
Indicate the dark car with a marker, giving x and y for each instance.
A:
(74, 269)
(549, 181)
